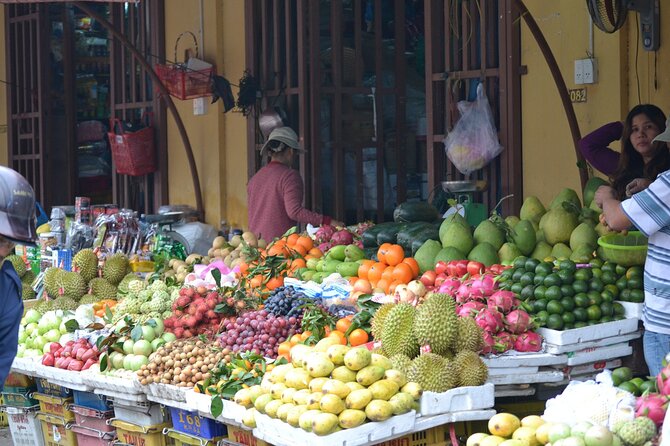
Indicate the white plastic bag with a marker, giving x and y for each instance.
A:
(473, 142)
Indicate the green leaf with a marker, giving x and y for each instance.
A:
(136, 333)
(72, 325)
(216, 406)
(216, 274)
(203, 338)
(108, 315)
(103, 362)
(94, 326)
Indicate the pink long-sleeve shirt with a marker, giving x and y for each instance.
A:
(274, 198)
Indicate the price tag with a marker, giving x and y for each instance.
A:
(577, 95)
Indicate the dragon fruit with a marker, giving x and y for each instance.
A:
(652, 406)
(490, 320)
(470, 309)
(663, 381)
(489, 343)
(528, 342)
(450, 286)
(342, 237)
(503, 301)
(518, 321)
(504, 341)
(324, 247)
(324, 234)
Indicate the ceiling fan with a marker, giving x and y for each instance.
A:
(610, 15)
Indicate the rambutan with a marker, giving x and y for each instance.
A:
(188, 334)
(211, 303)
(211, 314)
(179, 332)
(189, 291)
(191, 321)
(182, 301)
(169, 322)
(178, 313)
(192, 309)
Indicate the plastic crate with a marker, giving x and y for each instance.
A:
(19, 397)
(3, 416)
(437, 435)
(49, 388)
(241, 436)
(93, 419)
(92, 437)
(55, 431)
(181, 439)
(147, 414)
(15, 379)
(137, 435)
(24, 426)
(91, 400)
(193, 424)
(56, 405)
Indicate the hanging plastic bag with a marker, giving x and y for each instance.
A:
(473, 142)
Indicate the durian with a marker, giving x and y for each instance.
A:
(27, 292)
(377, 323)
(51, 281)
(18, 264)
(43, 306)
(28, 277)
(470, 336)
(397, 334)
(401, 362)
(470, 369)
(436, 323)
(433, 373)
(115, 268)
(65, 303)
(87, 264)
(102, 288)
(71, 285)
(89, 299)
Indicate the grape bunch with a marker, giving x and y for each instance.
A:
(259, 331)
(341, 311)
(286, 301)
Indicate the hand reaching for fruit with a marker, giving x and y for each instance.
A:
(637, 185)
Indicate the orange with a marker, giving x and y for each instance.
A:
(305, 242)
(315, 252)
(298, 263)
(256, 281)
(244, 267)
(343, 324)
(394, 255)
(292, 239)
(358, 337)
(339, 335)
(275, 282)
(298, 250)
(411, 261)
(403, 273)
(383, 285)
(388, 274)
(284, 348)
(375, 271)
(381, 252)
(364, 268)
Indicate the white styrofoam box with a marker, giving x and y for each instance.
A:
(24, 426)
(183, 405)
(494, 371)
(599, 353)
(558, 349)
(203, 404)
(423, 423)
(114, 384)
(167, 392)
(597, 366)
(543, 376)
(457, 400)
(147, 414)
(515, 391)
(633, 310)
(127, 399)
(590, 333)
(283, 434)
(65, 378)
(24, 365)
(516, 359)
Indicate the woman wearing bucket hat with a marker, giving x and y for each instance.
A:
(275, 192)
(17, 225)
(649, 211)
(640, 160)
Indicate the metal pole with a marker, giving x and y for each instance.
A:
(165, 94)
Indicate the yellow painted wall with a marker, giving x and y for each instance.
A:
(4, 152)
(218, 140)
(548, 150)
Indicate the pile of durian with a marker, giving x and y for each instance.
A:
(26, 274)
(453, 360)
(87, 283)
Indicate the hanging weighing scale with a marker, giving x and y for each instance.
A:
(463, 194)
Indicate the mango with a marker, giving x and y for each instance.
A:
(324, 423)
(306, 418)
(350, 418)
(301, 397)
(297, 378)
(249, 418)
(335, 387)
(282, 412)
(331, 403)
(353, 253)
(383, 389)
(414, 389)
(316, 384)
(318, 364)
(342, 373)
(370, 374)
(358, 399)
(397, 376)
(347, 269)
(336, 353)
(287, 394)
(381, 361)
(357, 358)
(314, 400)
(337, 253)
(379, 410)
(401, 403)
(353, 385)
(294, 413)
(262, 401)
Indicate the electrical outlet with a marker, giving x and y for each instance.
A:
(199, 107)
(579, 72)
(589, 71)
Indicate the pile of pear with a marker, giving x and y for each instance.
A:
(327, 391)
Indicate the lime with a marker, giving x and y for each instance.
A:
(539, 292)
(516, 288)
(566, 276)
(596, 263)
(621, 374)
(612, 289)
(553, 293)
(526, 279)
(555, 307)
(581, 300)
(580, 324)
(519, 262)
(544, 268)
(607, 309)
(637, 296)
(580, 286)
(568, 318)
(594, 313)
(507, 274)
(607, 296)
(552, 279)
(517, 274)
(568, 303)
(635, 283)
(597, 272)
(606, 319)
(583, 274)
(608, 278)
(539, 305)
(527, 292)
(567, 265)
(555, 322)
(622, 283)
(629, 387)
(648, 386)
(531, 264)
(619, 309)
(580, 314)
(624, 295)
(567, 290)
(594, 298)
(541, 318)
(567, 326)
(620, 270)
(636, 381)
(608, 267)
(538, 279)
(634, 271)
(596, 284)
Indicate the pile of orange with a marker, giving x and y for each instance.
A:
(391, 269)
(100, 308)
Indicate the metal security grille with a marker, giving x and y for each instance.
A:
(370, 85)
(26, 127)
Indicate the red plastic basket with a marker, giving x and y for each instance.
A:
(182, 82)
(133, 153)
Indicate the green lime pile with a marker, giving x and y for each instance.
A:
(622, 377)
(561, 296)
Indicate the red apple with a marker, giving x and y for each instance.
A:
(428, 278)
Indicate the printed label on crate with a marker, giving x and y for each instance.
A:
(55, 433)
(243, 436)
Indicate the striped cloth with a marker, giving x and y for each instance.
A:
(649, 211)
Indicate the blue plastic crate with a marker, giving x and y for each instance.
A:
(91, 400)
(44, 386)
(193, 424)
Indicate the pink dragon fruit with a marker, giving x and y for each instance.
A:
(518, 321)
(663, 380)
(324, 234)
(489, 343)
(490, 320)
(528, 342)
(503, 301)
(324, 247)
(450, 286)
(470, 309)
(343, 237)
(504, 341)
(652, 406)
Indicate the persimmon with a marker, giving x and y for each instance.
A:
(364, 268)
(402, 273)
(388, 274)
(375, 271)
(394, 255)
(383, 285)
(381, 252)
(411, 261)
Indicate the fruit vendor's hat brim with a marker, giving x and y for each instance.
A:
(285, 135)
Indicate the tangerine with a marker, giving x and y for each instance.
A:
(394, 255)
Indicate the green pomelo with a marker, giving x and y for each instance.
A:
(458, 236)
(523, 236)
(512, 220)
(489, 232)
(591, 187)
(508, 252)
(532, 209)
(485, 253)
(542, 250)
(583, 235)
(566, 194)
(583, 254)
(425, 255)
(594, 207)
(539, 236)
(448, 254)
(561, 251)
(449, 220)
(558, 225)
(601, 230)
